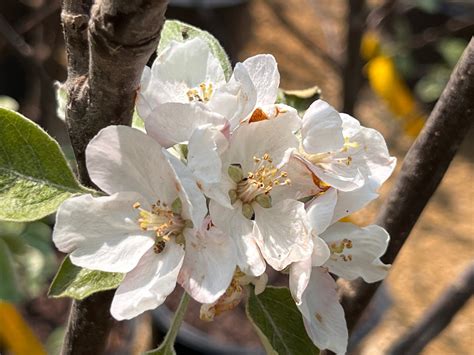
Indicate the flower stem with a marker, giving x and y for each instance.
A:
(167, 346)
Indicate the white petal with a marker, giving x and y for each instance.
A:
(145, 102)
(147, 286)
(349, 202)
(209, 264)
(300, 272)
(235, 99)
(284, 235)
(276, 112)
(121, 158)
(175, 122)
(190, 62)
(243, 232)
(192, 200)
(368, 245)
(102, 233)
(335, 171)
(321, 210)
(265, 76)
(370, 151)
(273, 137)
(322, 129)
(204, 149)
(321, 251)
(323, 316)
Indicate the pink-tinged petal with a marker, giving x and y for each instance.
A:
(175, 122)
(361, 254)
(121, 158)
(322, 129)
(243, 233)
(321, 210)
(284, 235)
(209, 264)
(323, 316)
(102, 233)
(263, 71)
(147, 286)
(235, 99)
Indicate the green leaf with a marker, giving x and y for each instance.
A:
(178, 31)
(278, 322)
(8, 285)
(299, 99)
(451, 49)
(75, 282)
(34, 175)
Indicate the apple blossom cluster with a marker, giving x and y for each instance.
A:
(224, 182)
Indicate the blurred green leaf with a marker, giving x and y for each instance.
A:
(451, 49)
(178, 31)
(278, 323)
(430, 87)
(8, 285)
(299, 99)
(75, 282)
(34, 175)
(430, 6)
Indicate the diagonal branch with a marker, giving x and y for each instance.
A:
(106, 56)
(438, 316)
(423, 169)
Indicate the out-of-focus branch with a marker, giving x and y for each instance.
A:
(423, 169)
(106, 56)
(352, 71)
(438, 316)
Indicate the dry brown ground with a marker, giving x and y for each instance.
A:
(441, 245)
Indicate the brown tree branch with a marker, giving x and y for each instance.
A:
(352, 71)
(106, 56)
(423, 169)
(438, 316)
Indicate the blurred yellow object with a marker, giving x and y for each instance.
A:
(390, 86)
(15, 333)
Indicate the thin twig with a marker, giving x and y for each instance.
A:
(438, 316)
(423, 169)
(106, 56)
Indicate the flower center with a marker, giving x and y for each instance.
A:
(337, 250)
(257, 185)
(331, 156)
(201, 94)
(165, 221)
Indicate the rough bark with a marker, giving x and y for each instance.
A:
(423, 169)
(438, 316)
(108, 46)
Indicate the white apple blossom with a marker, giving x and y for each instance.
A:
(186, 88)
(152, 226)
(262, 214)
(348, 252)
(340, 152)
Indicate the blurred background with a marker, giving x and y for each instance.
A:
(385, 62)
